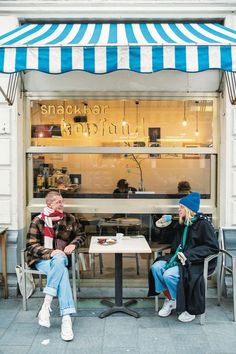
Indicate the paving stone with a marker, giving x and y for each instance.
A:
(7, 317)
(116, 334)
(22, 334)
(120, 341)
(151, 340)
(121, 351)
(14, 349)
(76, 350)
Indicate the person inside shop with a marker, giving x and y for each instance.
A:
(123, 187)
(180, 275)
(53, 235)
(184, 187)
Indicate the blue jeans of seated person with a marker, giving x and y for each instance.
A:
(58, 283)
(165, 279)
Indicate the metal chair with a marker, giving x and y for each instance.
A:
(228, 266)
(158, 250)
(26, 269)
(206, 275)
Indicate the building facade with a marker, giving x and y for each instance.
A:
(151, 129)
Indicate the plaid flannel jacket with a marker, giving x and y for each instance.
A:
(68, 229)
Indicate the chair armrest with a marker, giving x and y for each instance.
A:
(23, 258)
(159, 248)
(213, 256)
(207, 260)
(227, 253)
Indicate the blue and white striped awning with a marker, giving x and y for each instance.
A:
(103, 48)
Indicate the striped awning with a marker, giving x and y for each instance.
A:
(103, 48)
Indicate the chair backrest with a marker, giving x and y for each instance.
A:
(228, 238)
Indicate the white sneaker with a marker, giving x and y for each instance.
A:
(186, 317)
(66, 329)
(44, 316)
(167, 307)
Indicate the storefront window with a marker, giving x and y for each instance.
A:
(97, 175)
(122, 123)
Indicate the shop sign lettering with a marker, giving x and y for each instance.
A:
(51, 109)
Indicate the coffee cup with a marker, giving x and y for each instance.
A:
(167, 218)
(119, 236)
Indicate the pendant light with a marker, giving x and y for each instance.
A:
(137, 116)
(123, 120)
(197, 130)
(184, 122)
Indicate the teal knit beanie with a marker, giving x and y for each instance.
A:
(191, 201)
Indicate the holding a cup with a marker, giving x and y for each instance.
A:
(164, 221)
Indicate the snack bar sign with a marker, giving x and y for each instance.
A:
(74, 110)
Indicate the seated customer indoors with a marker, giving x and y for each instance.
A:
(180, 275)
(123, 187)
(184, 187)
(53, 236)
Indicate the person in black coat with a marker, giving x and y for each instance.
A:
(180, 275)
(123, 188)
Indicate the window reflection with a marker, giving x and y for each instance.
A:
(95, 175)
(121, 122)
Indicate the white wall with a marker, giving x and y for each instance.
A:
(11, 168)
(227, 165)
(8, 148)
(11, 144)
(113, 9)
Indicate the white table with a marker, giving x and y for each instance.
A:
(128, 244)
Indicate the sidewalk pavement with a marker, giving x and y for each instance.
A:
(118, 333)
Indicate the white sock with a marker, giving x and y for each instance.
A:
(65, 317)
(47, 300)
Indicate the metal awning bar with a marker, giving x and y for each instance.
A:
(230, 79)
(11, 88)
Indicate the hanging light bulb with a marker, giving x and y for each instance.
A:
(184, 122)
(137, 117)
(123, 120)
(197, 130)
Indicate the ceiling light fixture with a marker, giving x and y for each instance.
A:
(184, 122)
(197, 130)
(123, 120)
(137, 116)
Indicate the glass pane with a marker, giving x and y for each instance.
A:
(121, 123)
(143, 175)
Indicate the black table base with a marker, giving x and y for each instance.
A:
(115, 309)
(118, 306)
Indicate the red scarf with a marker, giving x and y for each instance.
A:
(49, 215)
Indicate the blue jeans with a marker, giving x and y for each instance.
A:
(165, 279)
(58, 283)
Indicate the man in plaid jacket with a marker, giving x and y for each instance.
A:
(53, 235)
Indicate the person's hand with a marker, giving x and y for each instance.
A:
(182, 258)
(55, 252)
(69, 249)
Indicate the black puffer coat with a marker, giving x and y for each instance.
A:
(201, 242)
